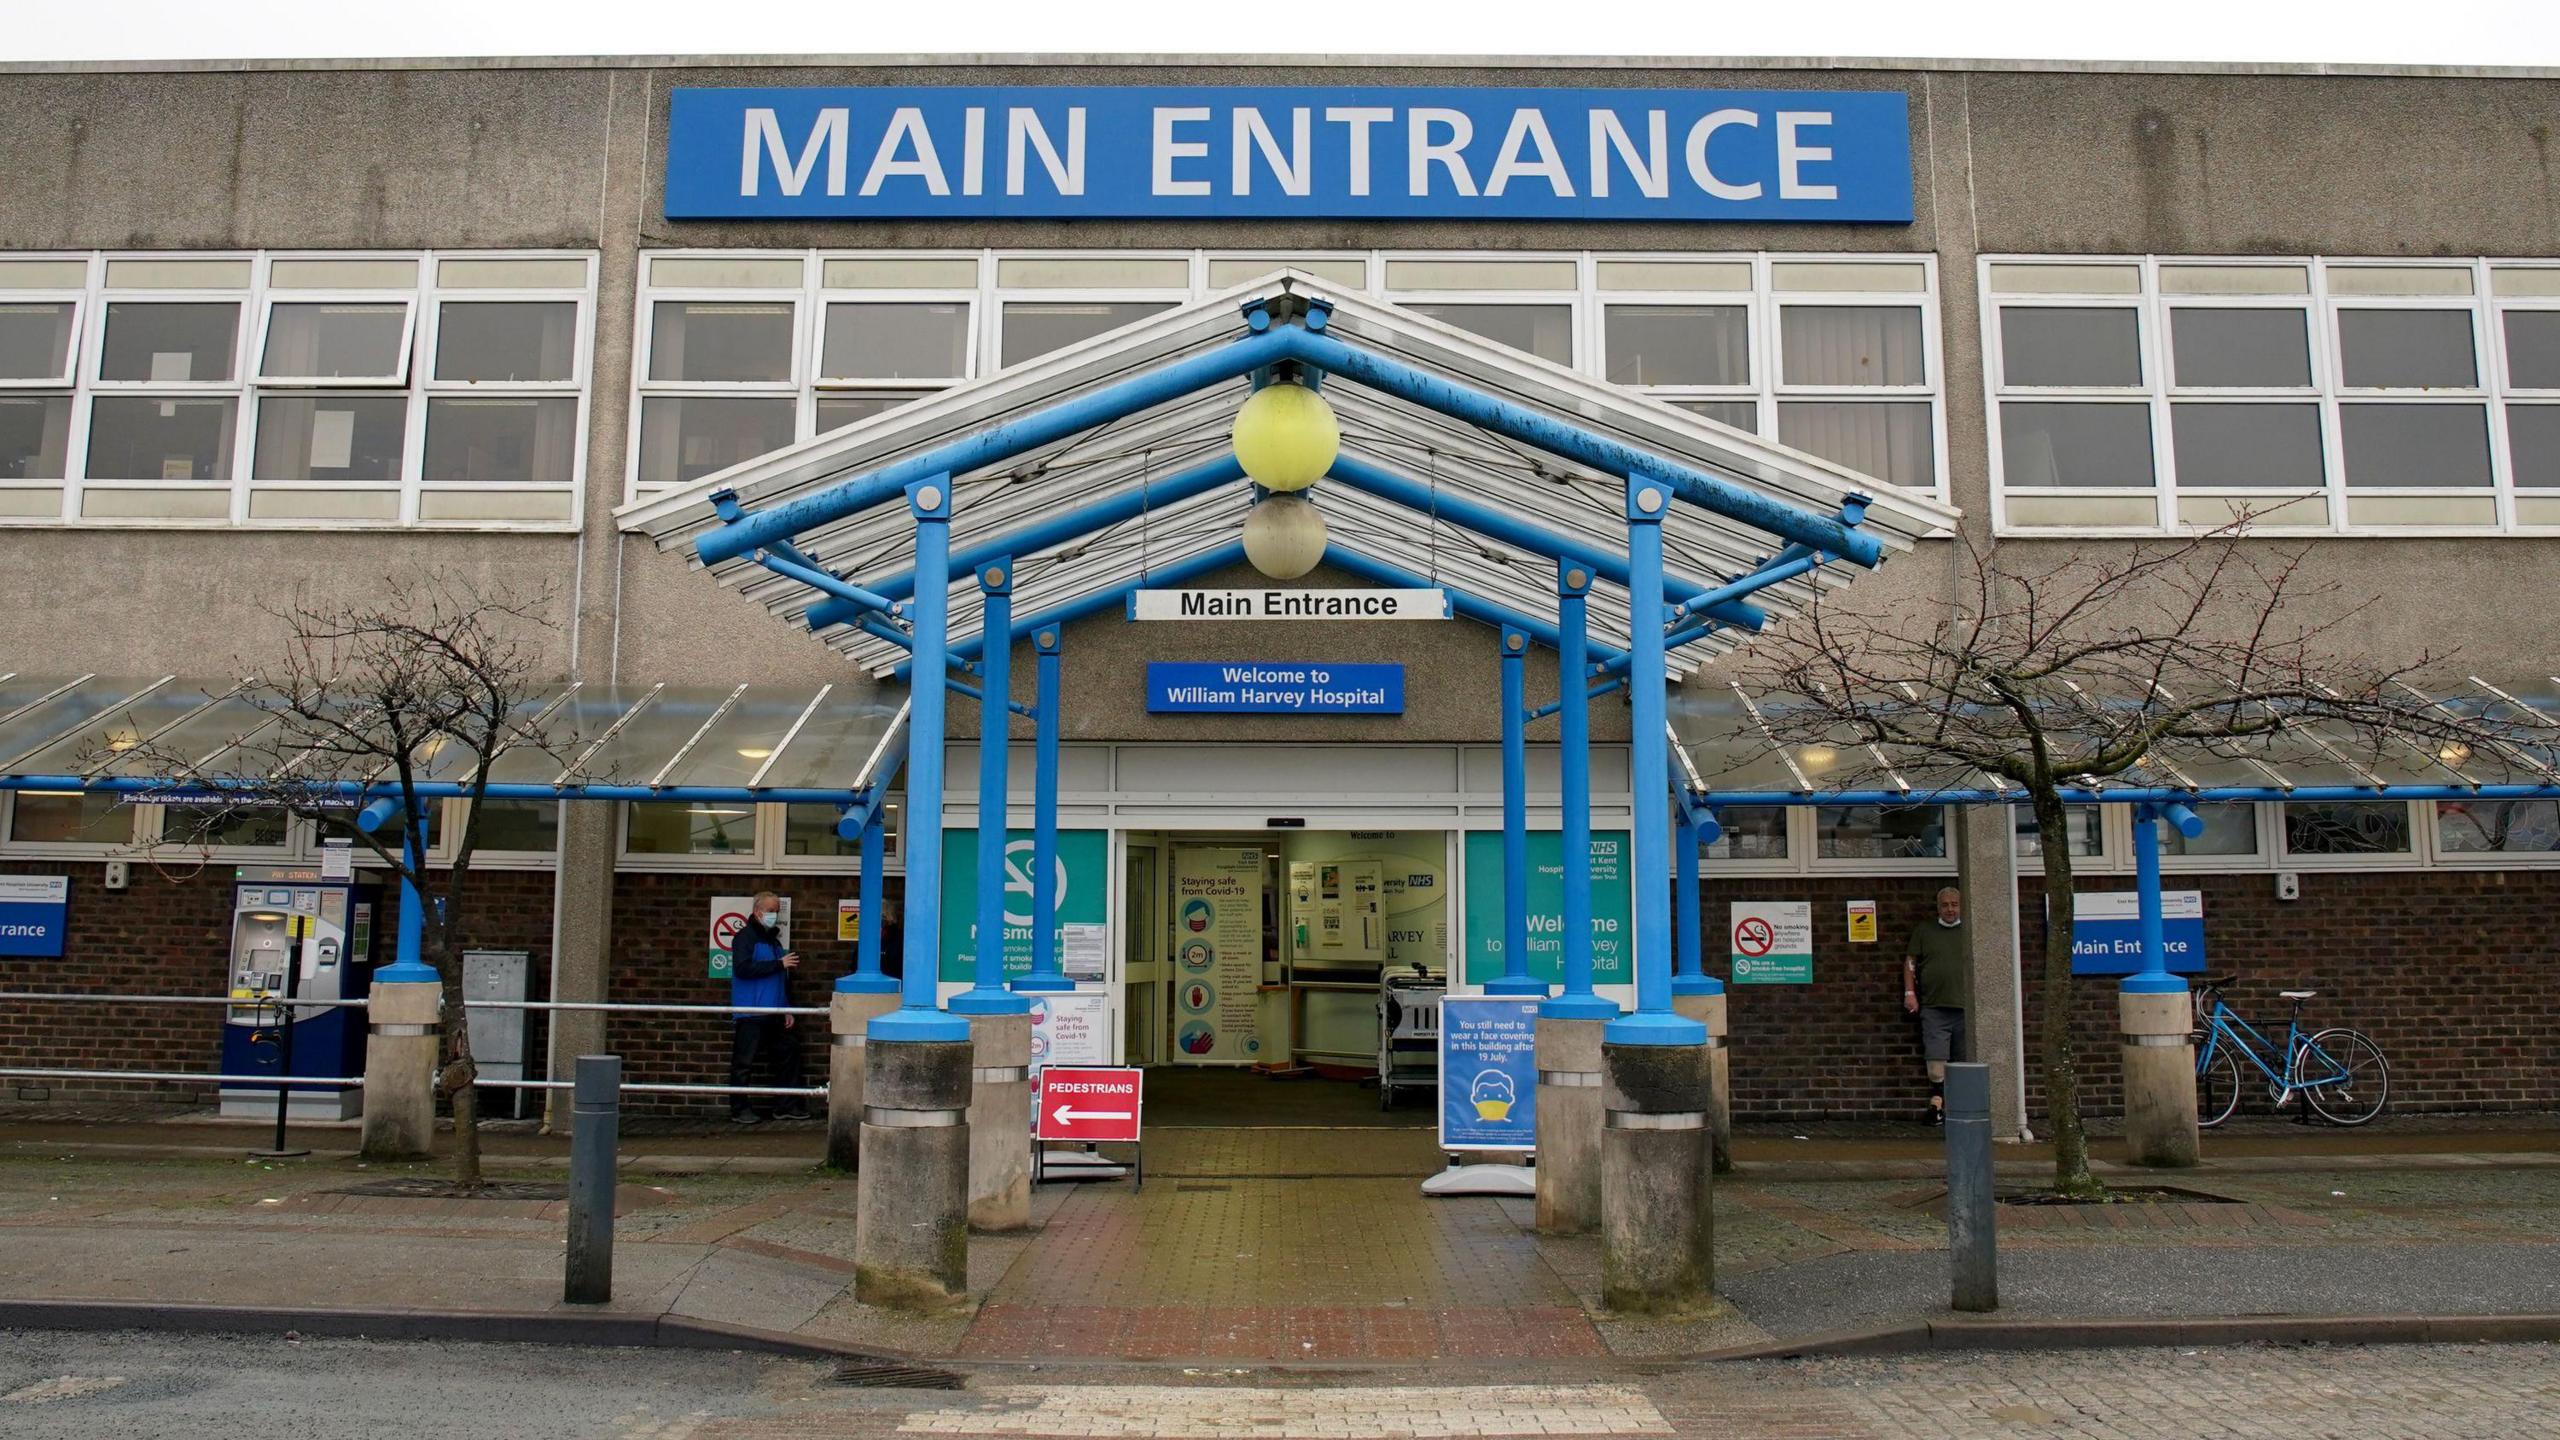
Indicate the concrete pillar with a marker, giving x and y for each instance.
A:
(1000, 1123)
(400, 1061)
(1657, 1225)
(1712, 1012)
(849, 1014)
(1568, 1170)
(581, 947)
(911, 1228)
(1987, 872)
(2159, 1078)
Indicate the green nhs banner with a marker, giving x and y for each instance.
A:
(1612, 907)
(1083, 899)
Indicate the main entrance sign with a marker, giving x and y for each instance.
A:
(1299, 152)
(1265, 687)
(1289, 605)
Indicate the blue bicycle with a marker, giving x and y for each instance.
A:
(2339, 1073)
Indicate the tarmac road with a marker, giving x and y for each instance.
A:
(141, 1387)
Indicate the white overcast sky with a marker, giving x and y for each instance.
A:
(2439, 32)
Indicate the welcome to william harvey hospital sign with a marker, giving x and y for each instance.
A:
(1288, 152)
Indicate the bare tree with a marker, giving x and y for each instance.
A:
(2113, 662)
(422, 686)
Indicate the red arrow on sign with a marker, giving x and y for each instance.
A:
(1069, 1115)
(1090, 1103)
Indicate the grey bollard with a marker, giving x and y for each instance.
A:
(1973, 1251)
(849, 1016)
(1000, 1123)
(911, 1231)
(1657, 1222)
(596, 1128)
(1568, 1172)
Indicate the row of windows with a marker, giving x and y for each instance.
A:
(2154, 393)
(2348, 834)
(745, 353)
(2128, 393)
(281, 389)
(2237, 835)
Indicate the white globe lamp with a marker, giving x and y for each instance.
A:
(1284, 536)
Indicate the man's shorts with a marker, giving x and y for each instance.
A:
(1941, 1033)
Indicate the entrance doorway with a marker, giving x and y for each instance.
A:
(1253, 963)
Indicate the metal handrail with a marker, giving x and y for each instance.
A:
(263, 1082)
(632, 1006)
(270, 998)
(670, 1089)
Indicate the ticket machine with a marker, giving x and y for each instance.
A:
(296, 936)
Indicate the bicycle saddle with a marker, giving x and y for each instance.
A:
(2297, 994)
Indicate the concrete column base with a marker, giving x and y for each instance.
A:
(1000, 1123)
(1568, 1170)
(849, 1014)
(2159, 1078)
(1712, 1012)
(911, 1229)
(401, 1056)
(1657, 1227)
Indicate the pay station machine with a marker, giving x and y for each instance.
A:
(297, 936)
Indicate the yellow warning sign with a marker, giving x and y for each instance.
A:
(848, 919)
(1862, 922)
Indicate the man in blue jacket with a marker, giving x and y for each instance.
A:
(760, 967)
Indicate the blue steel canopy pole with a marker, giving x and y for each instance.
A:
(1515, 978)
(1573, 589)
(917, 1017)
(1684, 897)
(1653, 1022)
(987, 996)
(408, 965)
(1046, 975)
(1703, 829)
(867, 978)
(2154, 977)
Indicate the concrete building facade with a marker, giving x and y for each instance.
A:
(279, 333)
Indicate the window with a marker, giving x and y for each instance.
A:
(2354, 827)
(368, 390)
(198, 828)
(1880, 832)
(2150, 394)
(2084, 823)
(2230, 828)
(1751, 832)
(518, 827)
(811, 830)
(46, 817)
(2497, 827)
(763, 350)
(696, 829)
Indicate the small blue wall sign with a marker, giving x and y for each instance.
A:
(2106, 932)
(1295, 152)
(1488, 1073)
(1272, 687)
(32, 908)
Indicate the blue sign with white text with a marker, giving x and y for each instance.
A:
(32, 909)
(1272, 687)
(1296, 152)
(2106, 932)
(1488, 1073)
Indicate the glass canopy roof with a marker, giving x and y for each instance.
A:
(621, 742)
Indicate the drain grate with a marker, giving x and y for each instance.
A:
(889, 1375)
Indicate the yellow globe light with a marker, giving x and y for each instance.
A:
(1284, 536)
(1285, 437)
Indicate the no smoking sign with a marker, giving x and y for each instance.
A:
(1772, 942)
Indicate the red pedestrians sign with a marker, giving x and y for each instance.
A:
(1089, 1104)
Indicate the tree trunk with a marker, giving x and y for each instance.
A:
(461, 1073)
(2061, 1053)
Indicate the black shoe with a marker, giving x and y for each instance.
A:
(796, 1113)
(745, 1117)
(1937, 1116)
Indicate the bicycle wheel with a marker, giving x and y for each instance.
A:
(2343, 1076)
(2217, 1084)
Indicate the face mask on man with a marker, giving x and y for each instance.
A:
(766, 918)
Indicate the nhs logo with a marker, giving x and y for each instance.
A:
(1288, 152)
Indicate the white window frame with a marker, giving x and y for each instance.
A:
(457, 810)
(2442, 858)
(1586, 301)
(2416, 857)
(2328, 390)
(2151, 355)
(1808, 834)
(73, 351)
(403, 357)
(67, 849)
(246, 390)
(764, 857)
